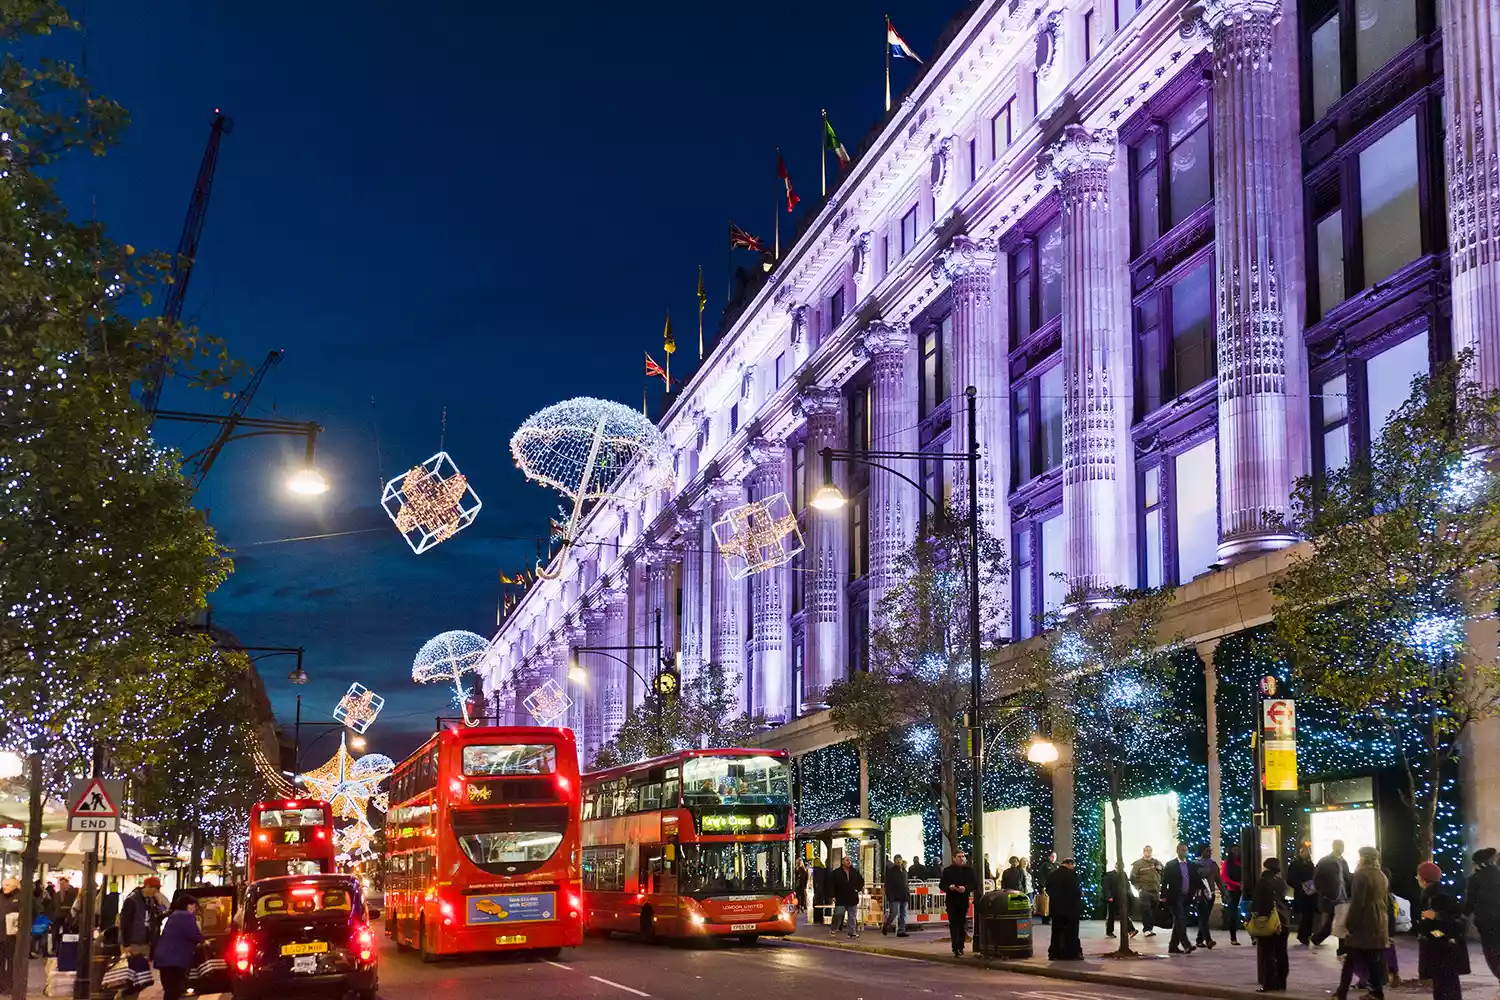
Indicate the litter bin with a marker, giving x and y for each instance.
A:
(1005, 916)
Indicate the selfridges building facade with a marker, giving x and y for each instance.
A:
(1185, 253)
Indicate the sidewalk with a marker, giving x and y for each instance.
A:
(1226, 971)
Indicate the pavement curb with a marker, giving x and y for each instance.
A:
(1197, 989)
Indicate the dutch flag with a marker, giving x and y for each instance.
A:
(899, 48)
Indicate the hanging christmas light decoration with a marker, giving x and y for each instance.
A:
(548, 704)
(355, 840)
(758, 536)
(447, 657)
(351, 785)
(358, 708)
(591, 450)
(431, 503)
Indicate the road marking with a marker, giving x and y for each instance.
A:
(558, 964)
(619, 986)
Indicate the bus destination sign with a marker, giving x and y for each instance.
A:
(742, 820)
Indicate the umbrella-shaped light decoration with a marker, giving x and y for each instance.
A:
(590, 450)
(447, 657)
(351, 785)
(431, 503)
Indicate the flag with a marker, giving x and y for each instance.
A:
(899, 48)
(669, 344)
(831, 142)
(791, 192)
(512, 580)
(739, 238)
(654, 370)
(702, 295)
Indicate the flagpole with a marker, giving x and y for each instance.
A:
(701, 298)
(776, 215)
(823, 151)
(888, 64)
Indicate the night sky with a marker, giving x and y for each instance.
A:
(486, 207)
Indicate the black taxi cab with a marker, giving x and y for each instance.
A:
(304, 934)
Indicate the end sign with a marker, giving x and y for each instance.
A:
(94, 805)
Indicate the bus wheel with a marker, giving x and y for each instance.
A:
(648, 926)
(549, 954)
(749, 938)
(427, 956)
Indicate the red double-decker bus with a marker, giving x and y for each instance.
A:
(693, 844)
(482, 843)
(290, 837)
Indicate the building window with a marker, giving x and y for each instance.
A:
(1090, 34)
(859, 537)
(1356, 40)
(1000, 130)
(799, 478)
(1388, 377)
(931, 475)
(1152, 512)
(1196, 505)
(1036, 94)
(973, 160)
(836, 307)
(1333, 403)
(1164, 198)
(859, 635)
(1390, 203)
(934, 386)
(859, 423)
(1356, 404)
(1332, 285)
(908, 231)
(780, 368)
(798, 584)
(857, 482)
(1036, 282)
(1024, 624)
(1037, 412)
(1054, 563)
(734, 418)
(1176, 346)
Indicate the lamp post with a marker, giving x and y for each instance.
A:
(306, 481)
(829, 498)
(578, 675)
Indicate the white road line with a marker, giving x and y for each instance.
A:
(558, 964)
(619, 986)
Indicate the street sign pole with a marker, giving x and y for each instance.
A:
(83, 980)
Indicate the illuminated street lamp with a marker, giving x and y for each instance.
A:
(307, 481)
(11, 764)
(1042, 751)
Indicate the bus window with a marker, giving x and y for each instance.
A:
(508, 759)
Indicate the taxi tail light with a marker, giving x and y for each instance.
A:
(366, 942)
(242, 953)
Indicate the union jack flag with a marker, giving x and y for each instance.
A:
(654, 370)
(739, 238)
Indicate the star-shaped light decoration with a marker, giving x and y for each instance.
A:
(548, 704)
(358, 707)
(431, 503)
(351, 785)
(758, 536)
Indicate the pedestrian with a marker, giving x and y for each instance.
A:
(1482, 902)
(177, 947)
(1331, 880)
(820, 875)
(1042, 905)
(1210, 886)
(1067, 910)
(802, 878)
(960, 884)
(1028, 882)
(1367, 925)
(10, 929)
(1442, 955)
(1013, 878)
(1270, 924)
(916, 871)
(1111, 909)
(1145, 875)
(897, 896)
(140, 922)
(1177, 884)
(1233, 873)
(64, 905)
(844, 886)
(1299, 875)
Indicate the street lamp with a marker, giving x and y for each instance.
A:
(829, 497)
(11, 764)
(304, 481)
(578, 675)
(1042, 751)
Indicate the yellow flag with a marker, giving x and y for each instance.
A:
(702, 295)
(668, 343)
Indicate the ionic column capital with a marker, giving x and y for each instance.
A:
(764, 453)
(882, 338)
(1081, 160)
(819, 401)
(965, 258)
(1241, 31)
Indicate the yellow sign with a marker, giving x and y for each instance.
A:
(511, 939)
(305, 948)
(722, 822)
(1280, 765)
(479, 793)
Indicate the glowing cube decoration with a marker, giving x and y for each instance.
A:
(431, 503)
(548, 704)
(358, 707)
(758, 536)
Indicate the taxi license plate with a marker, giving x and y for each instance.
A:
(305, 965)
(511, 939)
(305, 948)
(742, 927)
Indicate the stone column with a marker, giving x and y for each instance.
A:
(658, 575)
(1095, 352)
(1479, 779)
(727, 638)
(575, 633)
(592, 689)
(693, 553)
(969, 265)
(823, 560)
(893, 427)
(1064, 796)
(1471, 86)
(770, 685)
(610, 675)
(1206, 652)
(1251, 213)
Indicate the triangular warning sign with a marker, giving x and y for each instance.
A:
(94, 801)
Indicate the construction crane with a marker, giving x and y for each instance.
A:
(187, 252)
(203, 460)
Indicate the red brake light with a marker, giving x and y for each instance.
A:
(563, 783)
(322, 834)
(304, 892)
(242, 953)
(366, 942)
(456, 787)
(263, 837)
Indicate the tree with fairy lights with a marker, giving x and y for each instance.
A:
(1405, 543)
(919, 669)
(705, 713)
(102, 556)
(1108, 677)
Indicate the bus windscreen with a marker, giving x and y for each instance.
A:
(496, 760)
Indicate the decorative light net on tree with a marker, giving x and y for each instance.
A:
(590, 450)
(758, 536)
(431, 503)
(447, 657)
(548, 704)
(358, 708)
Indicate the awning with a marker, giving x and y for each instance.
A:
(854, 826)
(123, 853)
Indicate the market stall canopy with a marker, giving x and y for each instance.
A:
(124, 854)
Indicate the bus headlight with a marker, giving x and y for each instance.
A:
(697, 919)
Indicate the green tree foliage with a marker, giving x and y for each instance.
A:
(1403, 556)
(102, 556)
(1107, 679)
(919, 667)
(704, 714)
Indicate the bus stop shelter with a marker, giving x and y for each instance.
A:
(828, 840)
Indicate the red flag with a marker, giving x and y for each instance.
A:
(739, 238)
(654, 370)
(791, 193)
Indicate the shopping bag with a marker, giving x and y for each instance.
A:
(1340, 926)
(1403, 914)
(117, 977)
(1043, 904)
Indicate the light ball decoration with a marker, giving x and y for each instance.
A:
(351, 785)
(358, 708)
(548, 704)
(758, 536)
(430, 503)
(447, 657)
(592, 450)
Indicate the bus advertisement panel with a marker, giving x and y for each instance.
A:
(693, 844)
(482, 843)
(290, 837)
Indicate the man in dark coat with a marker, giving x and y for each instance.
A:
(1066, 898)
(10, 926)
(1299, 875)
(1482, 902)
(845, 883)
(1043, 870)
(897, 895)
(960, 884)
(1331, 882)
(1208, 883)
(1178, 879)
(1014, 876)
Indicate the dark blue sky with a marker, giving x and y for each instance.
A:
(480, 206)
